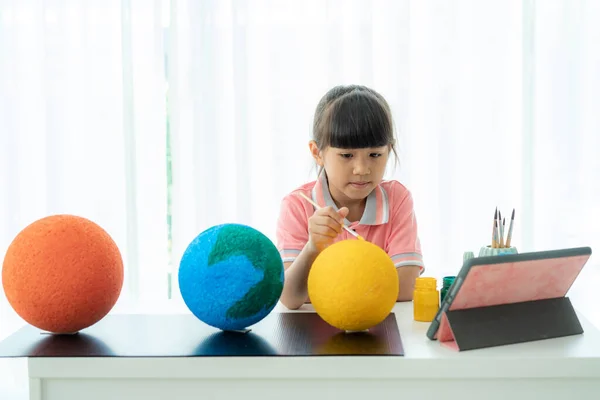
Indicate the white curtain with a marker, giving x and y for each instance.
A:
(82, 127)
(564, 124)
(495, 104)
(562, 137)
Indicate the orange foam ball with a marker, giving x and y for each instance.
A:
(62, 273)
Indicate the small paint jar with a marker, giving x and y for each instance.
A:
(426, 299)
(446, 283)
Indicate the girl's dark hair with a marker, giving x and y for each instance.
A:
(353, 117)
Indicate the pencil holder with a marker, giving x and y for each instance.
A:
(486, 251)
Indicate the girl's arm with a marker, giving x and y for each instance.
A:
(295, 289)
(407, 275)
(323, 227)
(403, 244)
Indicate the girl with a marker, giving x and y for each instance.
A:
(353, 138)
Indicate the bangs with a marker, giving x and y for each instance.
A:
(357, 120)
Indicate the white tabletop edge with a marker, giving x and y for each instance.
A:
(309, 368)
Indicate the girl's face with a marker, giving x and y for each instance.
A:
(352, 173)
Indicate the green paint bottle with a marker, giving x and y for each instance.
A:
(447, 282)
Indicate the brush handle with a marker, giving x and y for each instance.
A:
(509, 235)
(510, 229)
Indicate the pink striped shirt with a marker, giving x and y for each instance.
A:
(388, 221)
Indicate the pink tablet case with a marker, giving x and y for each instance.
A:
(517, 296)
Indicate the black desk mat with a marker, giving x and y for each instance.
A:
(183, 335)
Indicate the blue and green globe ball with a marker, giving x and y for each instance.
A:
(231, 276)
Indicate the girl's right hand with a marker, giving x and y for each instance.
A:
(324, 226)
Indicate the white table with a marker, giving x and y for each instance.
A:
(563, 368)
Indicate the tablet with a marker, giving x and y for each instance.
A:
(508, 279)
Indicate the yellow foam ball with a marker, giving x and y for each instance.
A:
(353, 285)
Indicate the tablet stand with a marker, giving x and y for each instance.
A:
(481, 327)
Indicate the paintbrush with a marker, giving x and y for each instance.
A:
(510, 229)
(501, 229)
(494, 229)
